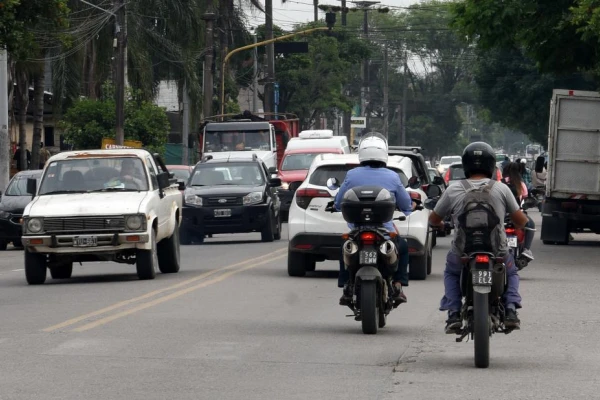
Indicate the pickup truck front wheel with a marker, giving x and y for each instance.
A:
(168, 254)
(35, 268)
(147, 260)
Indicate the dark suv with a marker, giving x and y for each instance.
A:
(233, 195)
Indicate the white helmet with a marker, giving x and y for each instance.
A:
(373, 147)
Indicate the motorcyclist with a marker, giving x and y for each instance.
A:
(525, 173)
(373, 156)
(479, 161)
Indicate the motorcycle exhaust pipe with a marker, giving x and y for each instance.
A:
(350, 250)
(498, 279)
(389, 252)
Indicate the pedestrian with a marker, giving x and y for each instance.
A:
(44, 155)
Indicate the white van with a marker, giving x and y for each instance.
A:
(319, 139)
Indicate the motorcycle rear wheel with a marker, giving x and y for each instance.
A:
(368, 307)
(481, 329)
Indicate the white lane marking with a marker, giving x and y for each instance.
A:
(16, 270)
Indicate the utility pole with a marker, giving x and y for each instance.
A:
(344, 13)
(316, 8)
(121, 31)
(347, 116)
(5, 156)
(185, 131)
(255, 80)
(207, 84)
(365, 5)
(270, 78)
(386, 109)
(404, 87)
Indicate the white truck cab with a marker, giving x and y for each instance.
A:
(102, 205)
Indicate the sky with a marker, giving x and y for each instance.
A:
(299, 11)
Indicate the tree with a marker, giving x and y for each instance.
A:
(88, 121)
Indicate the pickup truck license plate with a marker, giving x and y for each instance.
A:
(512, 241)
(482, 278)
(85, 241)
(220, 213)
(367, 257)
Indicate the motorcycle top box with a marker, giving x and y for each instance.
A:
(368, 205)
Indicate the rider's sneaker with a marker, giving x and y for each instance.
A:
(528, 254)
(454, 322)
(399, 296)
(511, 320)
(346, 298)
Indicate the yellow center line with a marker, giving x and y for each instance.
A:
(120, 304)
(171, 296)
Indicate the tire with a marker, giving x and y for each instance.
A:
(35, 268)
(63, 271)
(169, 260)
(297, 264)
(418, 267)
(147, 260)
(17, 243)
(3, 245)
(267, 234)
(481, 329)
(277, 235)
(429, 261)
(434, 236)
(368, 307)
(185, 237)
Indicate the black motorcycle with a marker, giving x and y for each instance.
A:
(535, 198)
(370, 255)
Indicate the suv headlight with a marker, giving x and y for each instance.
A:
(193, 200)
(135, 222)
(34, 225)
(253, 198)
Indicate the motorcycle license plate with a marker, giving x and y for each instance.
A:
(367, 257)
(512, 241)
(482, 278)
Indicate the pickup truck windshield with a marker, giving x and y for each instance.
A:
(94, 175)
(220, 141)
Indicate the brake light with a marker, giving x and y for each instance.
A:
(447, 176)
(304, 196)
(415, 196)
(303, 246)
(498, 175)
(482, 258)
(368, 238)
(510, 231)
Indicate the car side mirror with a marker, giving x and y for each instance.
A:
(181, 185)
(438, 180)
(31, 186)
(164, 180)
(274, 182)
(414, 183)
(273, 171)
(433, 191)
(430, 203)
(333, 184)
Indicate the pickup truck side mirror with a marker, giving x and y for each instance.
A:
(438, 180)
(181, 185)
(274, 182)
(31, 186)
(164, 180)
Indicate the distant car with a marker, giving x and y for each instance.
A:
(446, 161)
(12, 204)
(456, 172)
(181, 172)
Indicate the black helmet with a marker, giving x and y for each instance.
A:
(479, 158)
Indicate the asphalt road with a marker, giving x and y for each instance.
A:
(233, 325)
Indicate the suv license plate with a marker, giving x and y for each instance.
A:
(367, 257)
(223, 213)
(85, 241)
(482, 278)
(512, 241)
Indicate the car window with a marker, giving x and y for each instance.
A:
(432, 174)
(320, 176)
(18, 185)
(457, 173)
(227, 174)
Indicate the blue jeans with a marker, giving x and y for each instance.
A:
(529, 234)
(401, 274)
(452, 300)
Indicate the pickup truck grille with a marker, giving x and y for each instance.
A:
(84, 224)
(224, 201)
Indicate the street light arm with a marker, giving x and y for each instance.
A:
(251, 46)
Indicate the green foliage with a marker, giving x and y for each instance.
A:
(87, 122)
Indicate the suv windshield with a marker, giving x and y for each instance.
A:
(18, 186)
(320, 175)
(227, 174)
(450, 160)
(94, 174)
(237, 141)
(294, 162)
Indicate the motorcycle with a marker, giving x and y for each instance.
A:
(516, 243)
(370, 255)
(535, 198)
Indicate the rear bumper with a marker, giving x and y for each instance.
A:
(328, 246)
(202, 220)
(415, 248)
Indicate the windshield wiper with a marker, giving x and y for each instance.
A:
(112, 189)
(63, 192)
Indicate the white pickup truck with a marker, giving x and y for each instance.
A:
(102, 205)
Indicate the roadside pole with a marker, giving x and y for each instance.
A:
(5, 157)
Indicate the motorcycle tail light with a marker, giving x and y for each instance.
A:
(482, 259)
(368, 238)
(510, 231)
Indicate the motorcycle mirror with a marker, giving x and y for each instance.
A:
(333, 184)
(433, 191)
(414, 183)
(430, 203)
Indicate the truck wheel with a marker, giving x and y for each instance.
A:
(63, 271)
(297, 264)
(277, 235)
(168, 254)
(418, 267)
(147, 260)
(3, 245)
(267, 234)
(35, 268)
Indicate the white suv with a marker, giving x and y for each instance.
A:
(316, 234)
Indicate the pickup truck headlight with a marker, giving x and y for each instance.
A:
(193, 200)
(253, 198)
(134, 222)
(34, 225)
(4, 214)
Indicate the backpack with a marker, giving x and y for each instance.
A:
(479, 226)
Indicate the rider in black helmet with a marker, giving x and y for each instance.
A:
(479, 163)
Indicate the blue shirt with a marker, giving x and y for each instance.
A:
(383, 177)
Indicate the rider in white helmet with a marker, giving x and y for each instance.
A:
(373, 156)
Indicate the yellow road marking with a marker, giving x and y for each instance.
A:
(168, 297)
(120, 304)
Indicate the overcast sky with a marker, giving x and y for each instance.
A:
(298, 11)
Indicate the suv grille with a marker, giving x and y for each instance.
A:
(84, 224)
(224, 201)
